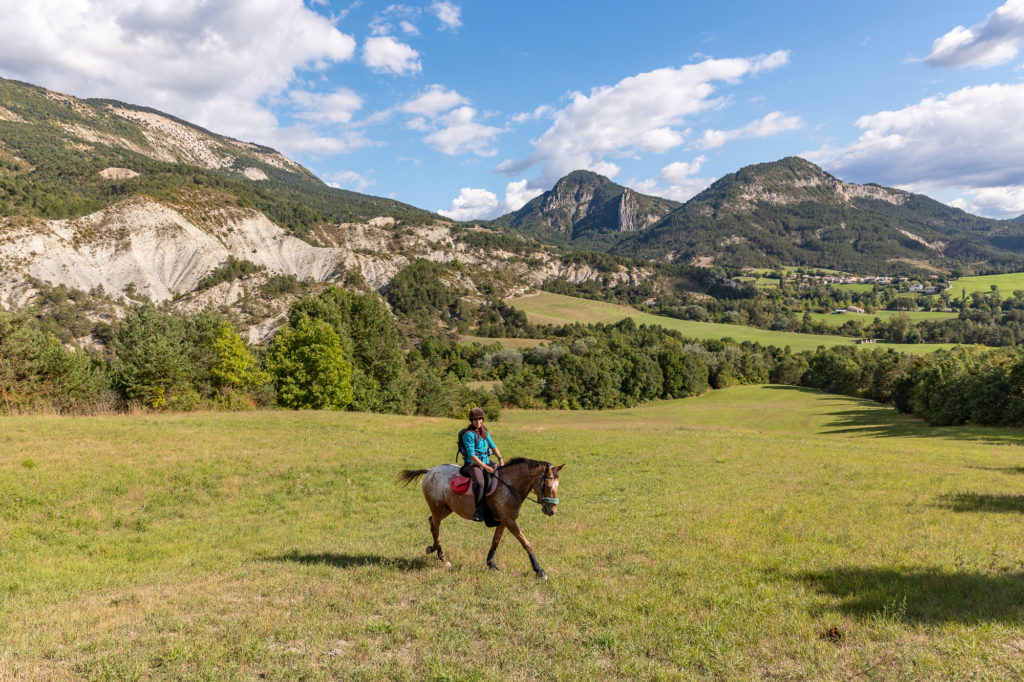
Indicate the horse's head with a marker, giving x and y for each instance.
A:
(546, 489)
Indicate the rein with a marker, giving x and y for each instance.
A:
(539, 500)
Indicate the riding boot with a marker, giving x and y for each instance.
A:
(478, 514)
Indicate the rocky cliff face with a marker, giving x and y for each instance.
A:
(583, 206)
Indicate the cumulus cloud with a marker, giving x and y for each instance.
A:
(679, 181)
(772, 124)
(995, 202)
(348, 180)
(482, 204)
(448, 14)
(972, 138)
(543, 111)
(677, 171)
(335, 107)
(996, 40)
(473, 204)
(384, 54)
(435, 100)
(641, 113)
(460, 133)
(517, 193)
(211, 63)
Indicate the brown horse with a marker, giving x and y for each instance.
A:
(516, 480)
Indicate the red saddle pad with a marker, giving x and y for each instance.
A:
(460, 484)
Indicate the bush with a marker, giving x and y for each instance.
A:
(308, 366)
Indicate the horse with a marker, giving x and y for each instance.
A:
(516, 480)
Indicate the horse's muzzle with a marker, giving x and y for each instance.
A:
(549, 510)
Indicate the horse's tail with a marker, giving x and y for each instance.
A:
(407, 476)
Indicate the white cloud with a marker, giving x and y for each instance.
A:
(995, 202)
(435, 100)
(641, 113)
(460, 134)
(348, 180)
(210, 63)
(678, 171)
(384, 54)
(678, 176)
(972, 138)
(473, 204)
(302, 138)
(448, 14)
(543, 111)
(772, 124)
(517, 193)
(405, 14)
(336, 107)
(994, 41)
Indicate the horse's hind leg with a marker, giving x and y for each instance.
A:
(494, 547)
(514, 529)
(435, 530)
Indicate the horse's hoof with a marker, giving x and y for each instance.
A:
(493, 566)
(542, 575)
(431, 549)
(447, 564)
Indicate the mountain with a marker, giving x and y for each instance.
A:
(787, 212)
(63, 157)
(588, 211)
(108, 204)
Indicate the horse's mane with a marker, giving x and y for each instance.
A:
(527, 462)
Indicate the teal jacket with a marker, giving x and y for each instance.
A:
(475, 445)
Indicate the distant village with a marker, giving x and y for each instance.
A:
(909, 285)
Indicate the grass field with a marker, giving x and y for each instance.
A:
(914, 316)
(551, 308)
(751, 533)
(1006, 283)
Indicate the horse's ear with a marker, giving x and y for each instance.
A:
(557, 468)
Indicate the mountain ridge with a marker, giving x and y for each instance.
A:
(793, 212)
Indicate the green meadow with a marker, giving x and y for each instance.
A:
(1007, 284)
(760, 532)
(914, 316)
(548, 308)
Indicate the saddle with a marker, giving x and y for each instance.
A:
(463, 485)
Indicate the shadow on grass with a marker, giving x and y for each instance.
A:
(876, 420)
(1005, 470)
(402, 564)
(921, 596)
(977, 502)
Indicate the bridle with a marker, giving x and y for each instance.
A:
(546, 476)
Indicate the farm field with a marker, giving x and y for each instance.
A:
(753, 532)
(913, 315)
(1007, 284)
(551, 308)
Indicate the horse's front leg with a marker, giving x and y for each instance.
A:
(514, 529)
(494, 548)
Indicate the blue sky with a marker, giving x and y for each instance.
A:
(472, 107)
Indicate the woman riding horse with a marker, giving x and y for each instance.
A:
(479, 446)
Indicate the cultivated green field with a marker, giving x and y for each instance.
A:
(913, 315)
(1006, 283)
(752, 533)
(853, 288)
(551, 308)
